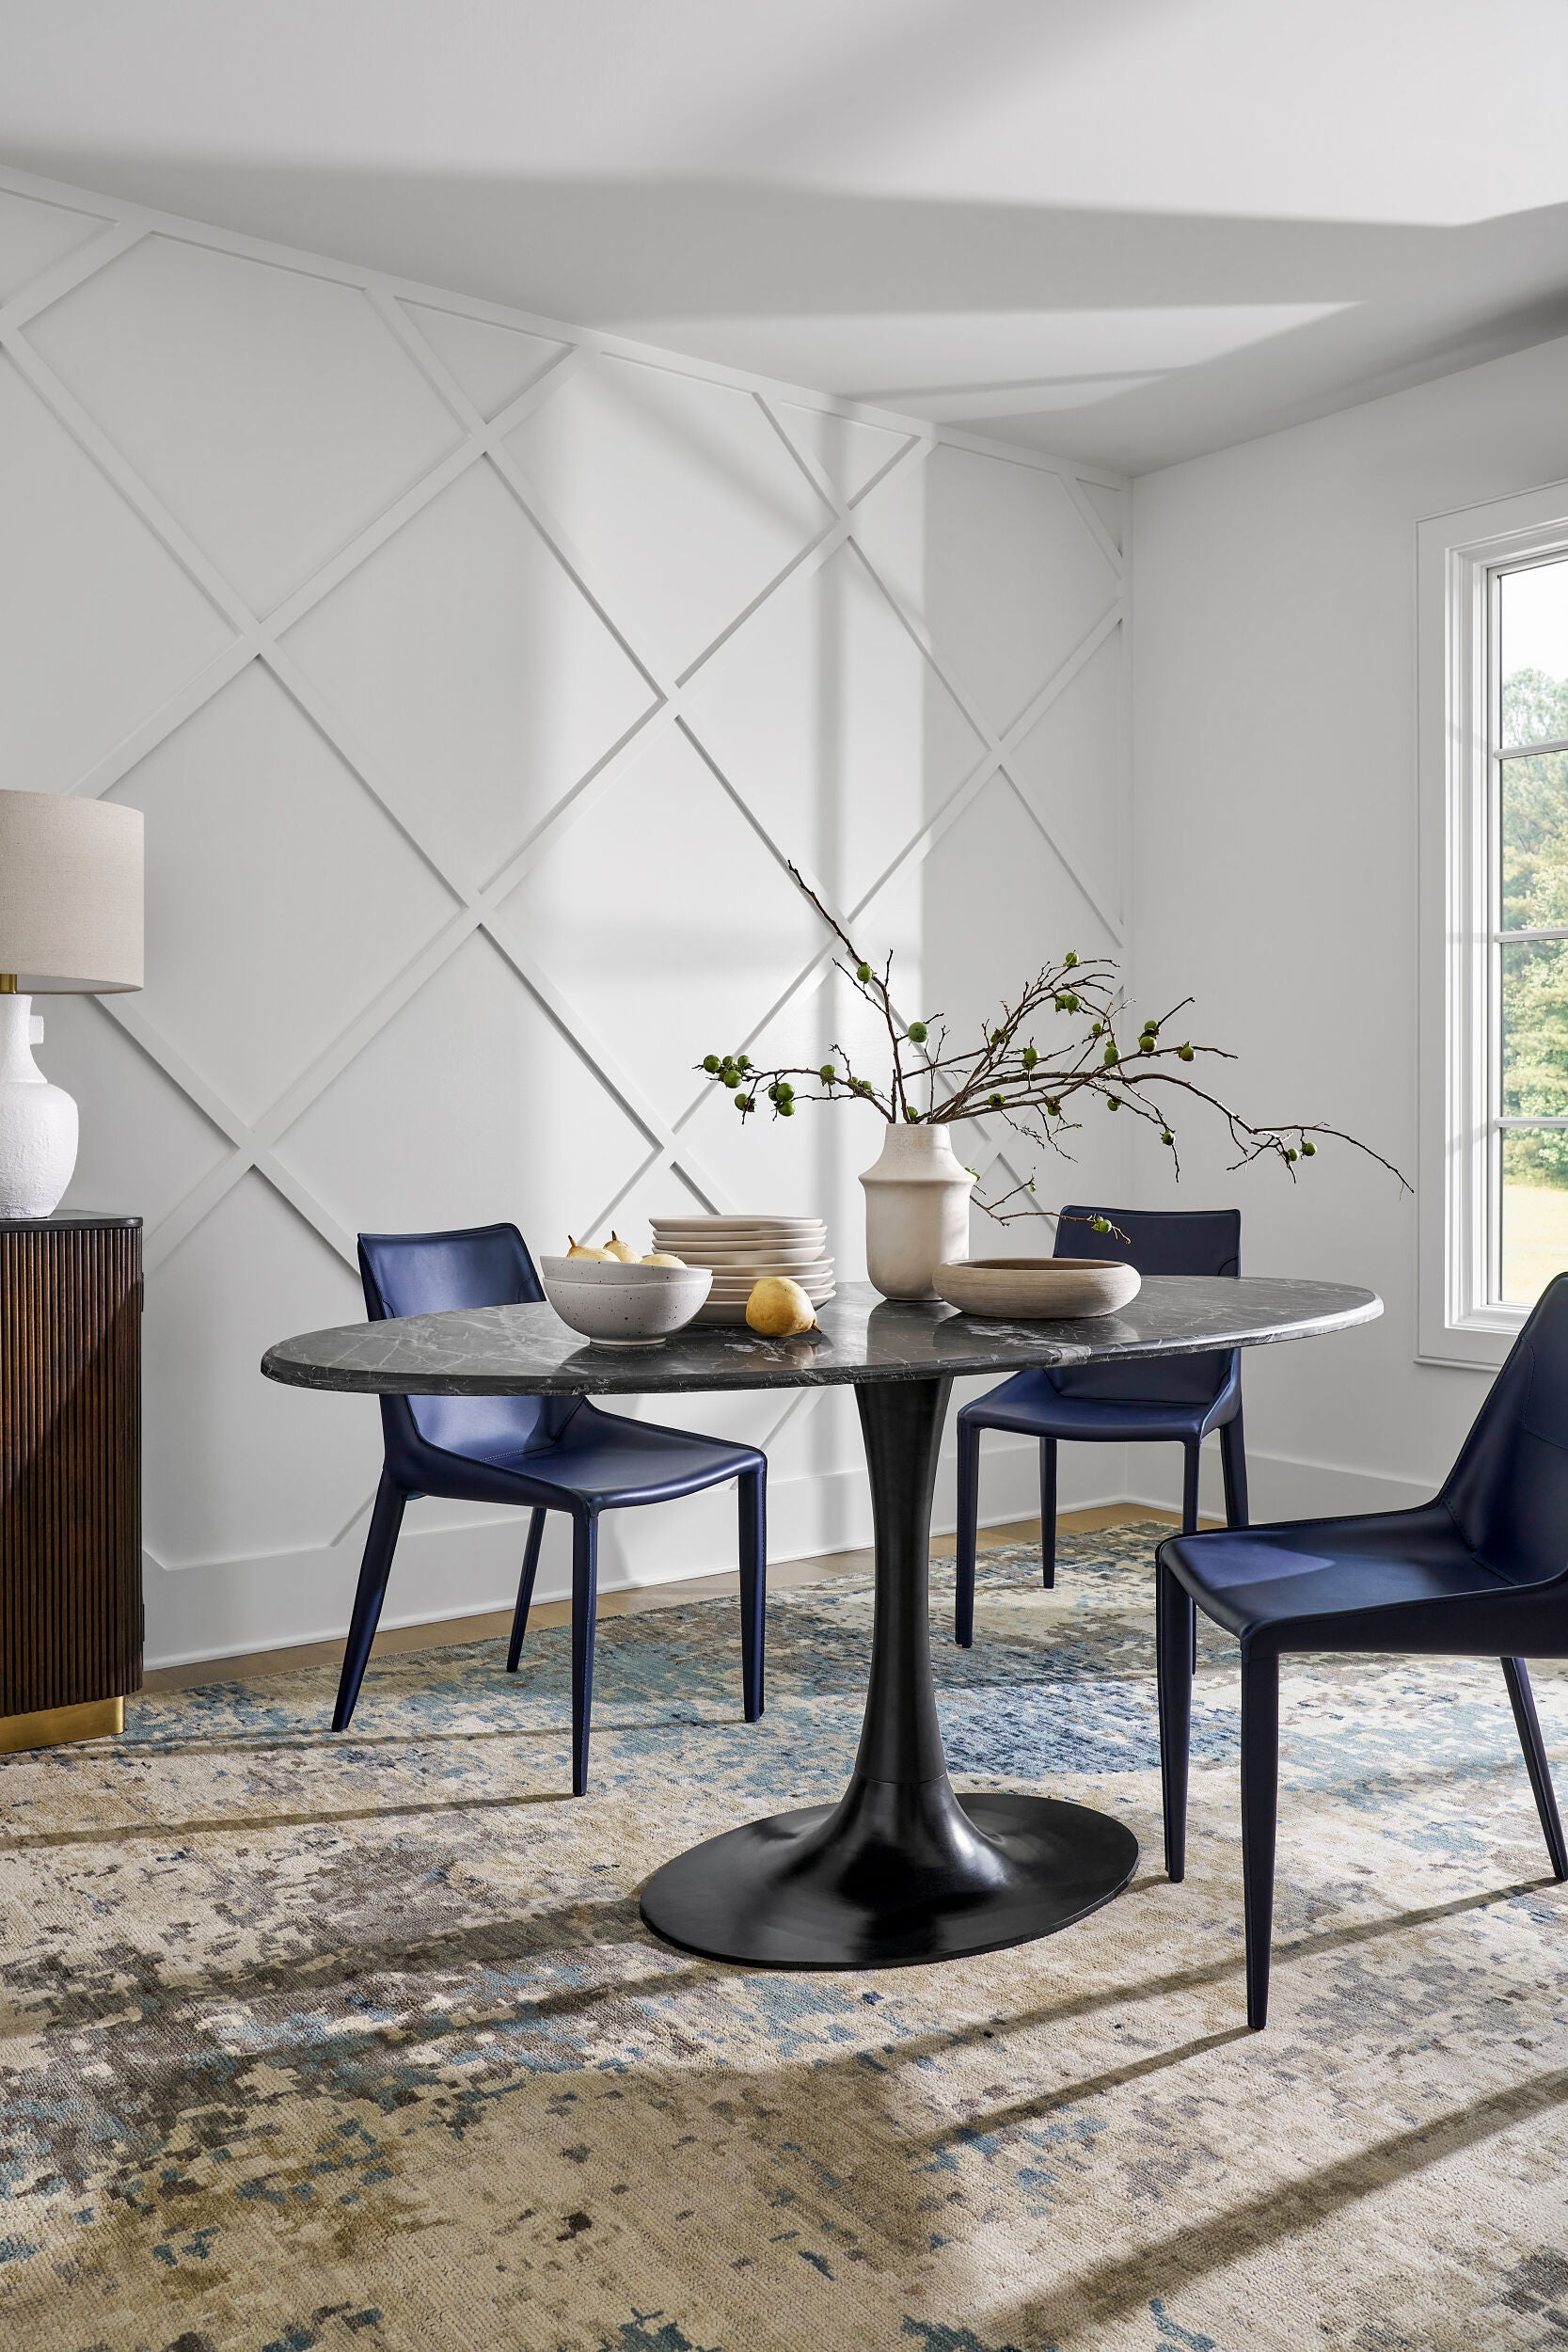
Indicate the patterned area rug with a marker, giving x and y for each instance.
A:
(360, 2042)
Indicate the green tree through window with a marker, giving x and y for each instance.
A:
(1534, 895)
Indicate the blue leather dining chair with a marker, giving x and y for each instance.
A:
(1177, 1400)
(1481, 1571)
(542, 1453)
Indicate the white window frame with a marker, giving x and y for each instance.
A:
(1457, 560)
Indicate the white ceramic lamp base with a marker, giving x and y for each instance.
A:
(37, 1122)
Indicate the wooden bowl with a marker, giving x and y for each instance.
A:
(1027, 1290)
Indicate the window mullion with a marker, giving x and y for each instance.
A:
(1463, 562)
(1523, 751)
(1487, 1178)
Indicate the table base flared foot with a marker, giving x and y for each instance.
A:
(820, 1888)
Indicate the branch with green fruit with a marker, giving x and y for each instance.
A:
(1033, 1087)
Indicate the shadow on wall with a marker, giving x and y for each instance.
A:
(760, 276)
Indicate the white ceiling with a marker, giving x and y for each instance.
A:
(1127, 231)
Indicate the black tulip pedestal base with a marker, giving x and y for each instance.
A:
(901, 1870)
(967, 1874)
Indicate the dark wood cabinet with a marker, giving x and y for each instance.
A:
(71, 1601)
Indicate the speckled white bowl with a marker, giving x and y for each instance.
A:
(623, 1305)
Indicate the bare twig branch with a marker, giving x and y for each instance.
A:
(1008, 1075)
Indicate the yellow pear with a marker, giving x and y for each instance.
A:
(777, 1308)
(578, 1251)
(616, 1247)
(661, 1257)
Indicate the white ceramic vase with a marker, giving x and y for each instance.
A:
(37, 1122)
(917, 1211)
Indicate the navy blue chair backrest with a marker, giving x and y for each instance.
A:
(1158, 1241)
(1509, 1488)
(431, 1274)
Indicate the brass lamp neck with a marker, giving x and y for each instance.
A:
(8, 983)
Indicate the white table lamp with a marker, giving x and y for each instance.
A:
(71, 924)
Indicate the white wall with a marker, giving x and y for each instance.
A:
(476, 675)
(1275, 868)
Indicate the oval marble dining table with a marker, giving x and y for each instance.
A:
(901, 1869)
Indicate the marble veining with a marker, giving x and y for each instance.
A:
(499, 1351)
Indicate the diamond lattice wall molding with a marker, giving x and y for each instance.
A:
(469, 663)
(490, 363)
(1077, 739)
(663, 899)
(1047, 582)
(476, 1059)
(682, 494)
(478, 675)
(279, 899)
(111, 636)
(320, 419)
(221, 1442)
(35, 234)
(824, 681)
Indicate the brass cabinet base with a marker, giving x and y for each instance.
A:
(52, 1727)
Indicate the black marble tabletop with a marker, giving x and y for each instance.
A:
(497, 1351)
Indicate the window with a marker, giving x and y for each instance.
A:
(1494, 660)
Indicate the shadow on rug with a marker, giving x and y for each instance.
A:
(360, 2040)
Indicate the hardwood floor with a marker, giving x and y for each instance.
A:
(448, 1632)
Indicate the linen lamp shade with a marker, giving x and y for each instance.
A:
(70, 894)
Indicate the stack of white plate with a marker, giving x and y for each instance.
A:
(742, 1250)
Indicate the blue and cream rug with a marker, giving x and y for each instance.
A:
(360, 2042)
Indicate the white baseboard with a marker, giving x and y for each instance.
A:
(1278, 1486)
(467, 1569)
(467, 1565)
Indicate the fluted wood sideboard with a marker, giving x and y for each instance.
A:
(71, 1602)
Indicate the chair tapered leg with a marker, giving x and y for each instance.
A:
(1190, 1462)
(1048, 1512)
(585, 1600)
(1174, 1612)
(525, 1589)
(969, 1510)
(1260, 1813)
(754, 1588)
(1516, 1674)
(374, 1568)
(1234, 1464)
